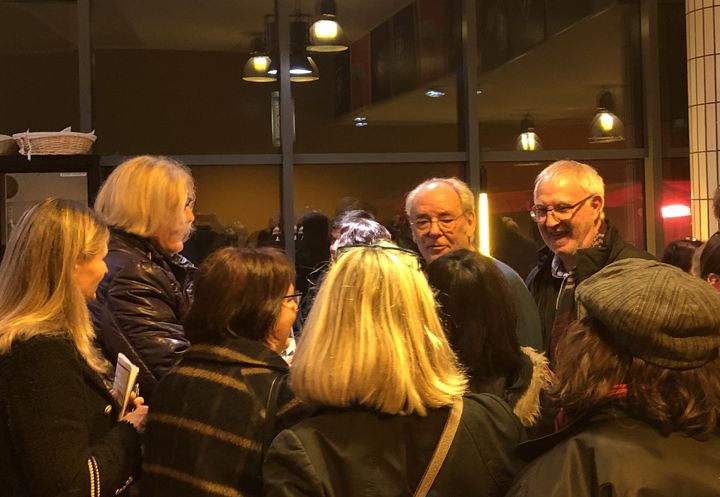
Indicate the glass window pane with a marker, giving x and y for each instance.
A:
(549, 68)
(168, 77)
(514, 235)
(673, 73)
(333, 188)
(39, 60)
(237, 205)
(394, 90)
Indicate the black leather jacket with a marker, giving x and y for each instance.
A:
(140, 304)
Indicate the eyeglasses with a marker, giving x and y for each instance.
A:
(445, 223)
(190, 203)
(295, 297)
(561, 212)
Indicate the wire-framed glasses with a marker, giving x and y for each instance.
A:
(445, 223)
(561, 212)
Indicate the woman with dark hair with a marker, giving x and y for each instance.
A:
(680, 253)
(709, 263)
(213, 414)
(638, 379)
(478, 315)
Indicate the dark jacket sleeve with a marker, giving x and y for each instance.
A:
(46, 409)
(141, 304)
(495, 430)
(287, 471)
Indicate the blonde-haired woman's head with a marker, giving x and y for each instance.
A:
(152, 197)
(373, 338)
(51, 267)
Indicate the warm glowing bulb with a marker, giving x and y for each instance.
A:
(483, 224)
(325, 29)
(675, 210)
(261, 63)
(527, 141)
(607, 121)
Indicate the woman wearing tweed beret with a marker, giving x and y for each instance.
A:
(638, 379)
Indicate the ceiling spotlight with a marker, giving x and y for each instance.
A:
(434, 93)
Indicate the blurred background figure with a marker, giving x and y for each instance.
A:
(59, 429)
(148, 203)
(213, 414)
(638, 378)
(680, 253)
(375, 361)
(510, 246)
(479, 317)
(312, 247)
(709, 262)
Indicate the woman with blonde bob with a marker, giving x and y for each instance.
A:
(59, 433)
(375, 361)
(147, 201)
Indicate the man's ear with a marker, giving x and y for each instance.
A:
(471, 220)
(598, 204)
(713, 279)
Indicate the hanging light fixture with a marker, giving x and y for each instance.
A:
(302, 66)
(606, 127)
(258, 65)
(528, 140)
(326, 35)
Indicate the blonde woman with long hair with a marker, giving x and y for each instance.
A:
(59, 433)
(147, 202)
(375, 362)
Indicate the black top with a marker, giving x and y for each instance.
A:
(58, 425)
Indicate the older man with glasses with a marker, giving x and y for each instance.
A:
(569, 200)
(442, 217)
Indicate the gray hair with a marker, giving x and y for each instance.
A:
(584, 174)
(467, 199)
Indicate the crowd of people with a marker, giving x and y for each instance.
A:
(437, 372)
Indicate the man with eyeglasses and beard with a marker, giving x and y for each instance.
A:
(569, 199)
(442, 217)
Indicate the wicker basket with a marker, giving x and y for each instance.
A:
(7, 145)
(64, 142)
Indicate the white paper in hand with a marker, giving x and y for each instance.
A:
(125, 377)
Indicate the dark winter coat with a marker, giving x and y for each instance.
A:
(613, 455)
(207, 421)
(140, 304)
(360, 452)
(59, 434)
(544, 287)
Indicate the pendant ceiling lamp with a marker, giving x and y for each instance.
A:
(606, 127)
(326, 35)
(257, 66)
(302, 66)
(528, 140)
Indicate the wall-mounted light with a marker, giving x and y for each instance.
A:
(483, 209)
(257, 66)
(528, 140)
(606, 127)
(326, 35)
(675, 210)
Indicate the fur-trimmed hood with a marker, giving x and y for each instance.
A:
(527, 407)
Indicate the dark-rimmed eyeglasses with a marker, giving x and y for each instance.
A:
(294, 297)
(445, 223)
(561, 212)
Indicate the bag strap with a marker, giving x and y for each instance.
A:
(443, 446)
(270, 411)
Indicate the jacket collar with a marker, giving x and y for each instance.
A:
(238, 351)
(128, 242)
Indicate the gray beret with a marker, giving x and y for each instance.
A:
(654, 311)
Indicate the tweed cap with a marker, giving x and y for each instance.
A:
(654, 311)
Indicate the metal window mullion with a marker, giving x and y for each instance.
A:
(84, 43)
(467, 99)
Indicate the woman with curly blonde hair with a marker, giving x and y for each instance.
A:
(375, 361)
